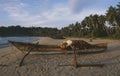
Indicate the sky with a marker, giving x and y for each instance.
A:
(50, 13)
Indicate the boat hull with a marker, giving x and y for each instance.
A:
(54, 49)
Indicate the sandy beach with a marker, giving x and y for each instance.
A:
(48, 65)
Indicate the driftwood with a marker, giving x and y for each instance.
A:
(27, 54)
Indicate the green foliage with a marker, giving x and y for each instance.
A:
(95, 25)
(27, 31)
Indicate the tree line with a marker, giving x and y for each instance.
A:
(107, 25)
(27, 31)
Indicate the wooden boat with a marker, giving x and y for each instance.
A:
(55, 49)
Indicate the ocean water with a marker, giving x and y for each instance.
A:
(4, 40)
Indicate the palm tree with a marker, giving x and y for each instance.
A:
(111, 16)
(101, 25)
(118, 15)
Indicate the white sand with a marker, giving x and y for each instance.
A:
(48, 65)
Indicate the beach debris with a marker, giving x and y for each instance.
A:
(76, 44)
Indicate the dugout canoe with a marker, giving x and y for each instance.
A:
(55, 49)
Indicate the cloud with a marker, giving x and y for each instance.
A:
(78, 5)
(15, 9)
(58, 16)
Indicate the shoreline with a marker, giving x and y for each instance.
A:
(32, 41)
(20, 39)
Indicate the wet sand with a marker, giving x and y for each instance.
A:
(48, 65)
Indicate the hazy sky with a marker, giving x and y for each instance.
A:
(50, 13)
